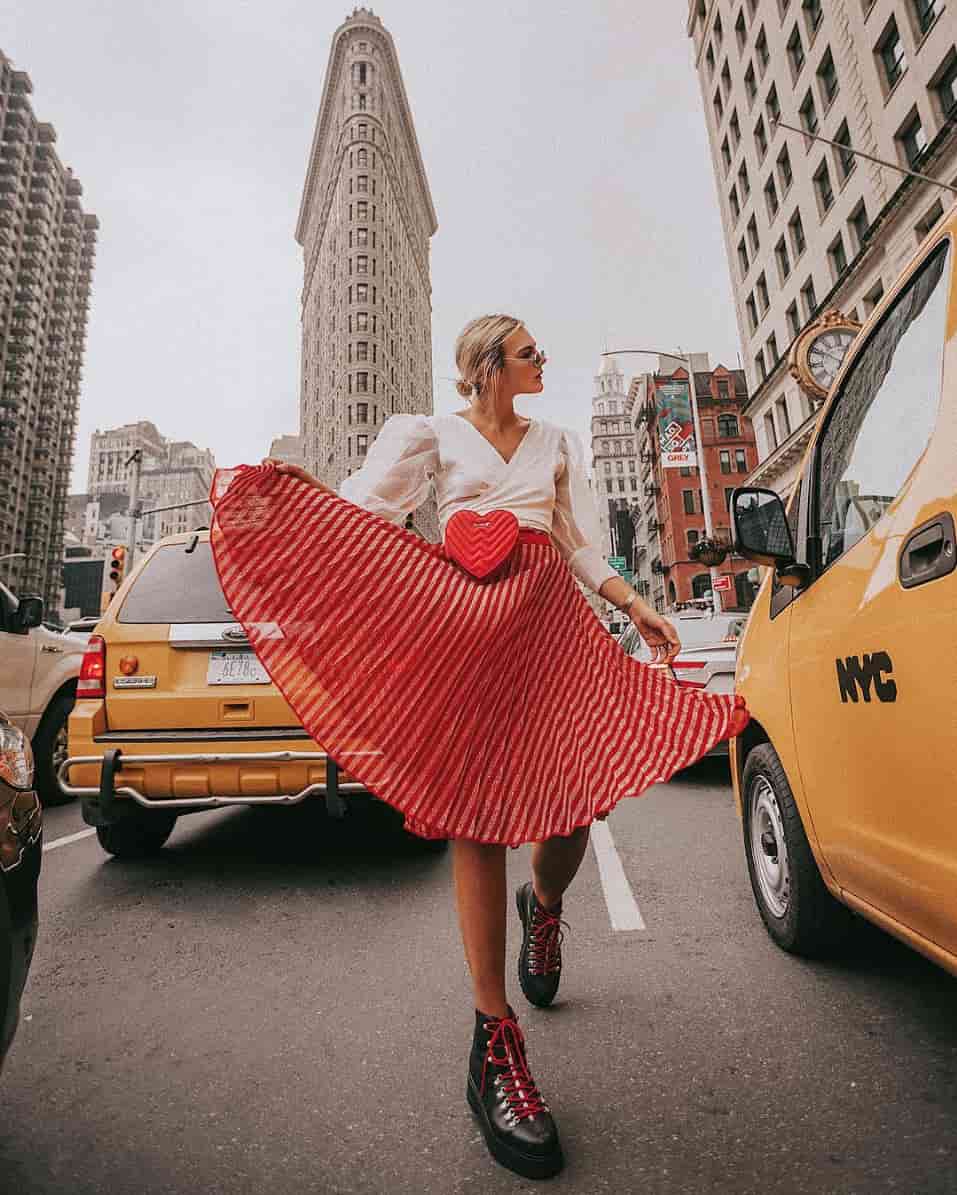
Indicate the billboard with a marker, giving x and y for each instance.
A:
(675, 426)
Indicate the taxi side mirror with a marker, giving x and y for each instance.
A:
(760, 530)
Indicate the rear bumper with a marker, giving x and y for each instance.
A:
(180, 781)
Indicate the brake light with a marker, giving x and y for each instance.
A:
(92, 678)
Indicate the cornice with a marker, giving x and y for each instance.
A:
(375, 31)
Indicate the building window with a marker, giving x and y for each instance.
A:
(609, 485)
(761, 49)
(362, 184)
(753, 235)
(926, 12)
(362, 237)
(362, 445)
(633, 483)
(740, 461)
(362, 412)
(784, 420)
(362, 210)
(772, 347)
(709, 59)
(858, 224)
(813, 14)
(793, 319)
(785, 173)
(684, 471)
(362, 157)
(726, 78)
(362, 292)
(827, 78)
(726, 155)
(744, 182)
(760, 139)
(913, 140)
(692, 537)
(837, 257)
(930, 218)
(362, 350)
(808, 298)
(718, 31)
(873, 296)
(946, 86)
(750, 83)
(752, 312)
(770, 432)
(890, 50)
(796, 228)
(760, 365)
(762, 290)
(740, 30)
(822, 185)
(718, 107)
(773, 107)
(783, 260)
(687, 497)
(725, 458)
(362, 383)
(735, 126)
(362, 265)
(743, 263)
(771, 198)
(362, 321)
(733, 203)
(796, 51)
(808, 113)
(723, 393)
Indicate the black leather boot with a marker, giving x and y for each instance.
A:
(516, 1123)
(540, 958)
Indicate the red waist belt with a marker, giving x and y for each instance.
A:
(481, 544)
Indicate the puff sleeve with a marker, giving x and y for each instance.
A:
(576, 530)
(395, 477)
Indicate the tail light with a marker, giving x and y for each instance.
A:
(92, 679)
(682, 667)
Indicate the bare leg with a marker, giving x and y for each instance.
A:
(480, 895)
(555, 863)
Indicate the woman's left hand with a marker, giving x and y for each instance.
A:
(658, 633)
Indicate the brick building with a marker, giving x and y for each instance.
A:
(674, 518)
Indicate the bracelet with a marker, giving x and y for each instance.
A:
(627, 606)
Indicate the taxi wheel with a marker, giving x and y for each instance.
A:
(799, 913)
(137, 835)
(50, 750)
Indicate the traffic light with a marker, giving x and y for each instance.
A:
(117, 566)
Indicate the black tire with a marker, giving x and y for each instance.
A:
(798, 911)
(137, 835)
(49, 750)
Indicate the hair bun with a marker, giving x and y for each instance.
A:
(464, 388)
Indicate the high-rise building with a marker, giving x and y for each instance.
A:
(614, 460)
(365, 223)
(46, 262)
(809, 226)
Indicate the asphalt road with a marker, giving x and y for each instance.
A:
(279, 1004)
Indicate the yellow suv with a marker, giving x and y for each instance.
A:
(175, 714)
(846, 778)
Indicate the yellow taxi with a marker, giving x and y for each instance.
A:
(175, 714)
(846, 778)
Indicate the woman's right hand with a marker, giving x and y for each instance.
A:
(298, 472)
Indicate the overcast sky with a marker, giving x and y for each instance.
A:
(564, 144)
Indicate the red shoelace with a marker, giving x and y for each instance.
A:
(514, 1079)
(545, 947)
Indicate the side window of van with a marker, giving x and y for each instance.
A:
(881, 421)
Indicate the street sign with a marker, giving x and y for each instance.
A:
(724, 584)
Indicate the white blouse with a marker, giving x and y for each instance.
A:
(544, 484)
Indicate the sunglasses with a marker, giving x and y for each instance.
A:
(537, 359)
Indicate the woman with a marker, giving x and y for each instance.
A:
(494, 711)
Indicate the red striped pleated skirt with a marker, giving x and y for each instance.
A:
(500, 711)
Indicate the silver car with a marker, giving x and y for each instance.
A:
(709, 644)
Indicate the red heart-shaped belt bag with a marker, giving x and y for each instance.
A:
(481, 543)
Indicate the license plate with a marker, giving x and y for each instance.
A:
(235, 668)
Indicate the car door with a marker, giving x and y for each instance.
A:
(18, 655)
(873, 636)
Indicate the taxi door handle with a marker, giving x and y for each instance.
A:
(928, 552)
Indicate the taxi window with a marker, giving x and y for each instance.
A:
(177, 586)
(883, 417)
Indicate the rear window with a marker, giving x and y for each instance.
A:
(177, 586)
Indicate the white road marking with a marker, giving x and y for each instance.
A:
(622, 906)
(48, 846)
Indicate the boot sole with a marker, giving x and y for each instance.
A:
(532, 997)
(527, 1165)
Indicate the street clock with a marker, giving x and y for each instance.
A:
(819, 352)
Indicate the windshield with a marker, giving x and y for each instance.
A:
(693, 633)
(177, 586)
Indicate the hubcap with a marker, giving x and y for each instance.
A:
(769, 852)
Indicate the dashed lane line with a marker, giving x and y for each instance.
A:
(49, 846)
(622, 906)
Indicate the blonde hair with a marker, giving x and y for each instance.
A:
(478, 351)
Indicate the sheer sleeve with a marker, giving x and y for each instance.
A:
(395, 476)
(575, 527)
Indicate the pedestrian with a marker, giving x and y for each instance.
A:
(479, 696)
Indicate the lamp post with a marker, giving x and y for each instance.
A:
(702, 468)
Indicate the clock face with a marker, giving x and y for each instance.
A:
(825, 354)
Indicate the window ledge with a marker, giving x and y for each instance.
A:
(900, 78)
